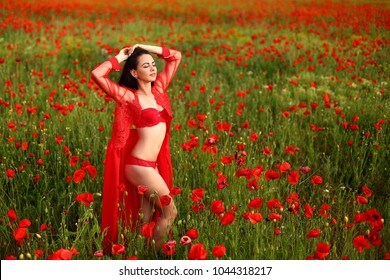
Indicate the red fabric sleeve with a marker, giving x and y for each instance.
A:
(100, 76)
(172, 60)
(115, 64)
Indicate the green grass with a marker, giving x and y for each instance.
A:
(245, 53)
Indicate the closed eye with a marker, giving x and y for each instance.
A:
(147, 65)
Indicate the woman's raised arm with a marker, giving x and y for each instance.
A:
(100, 76)
(172, 60)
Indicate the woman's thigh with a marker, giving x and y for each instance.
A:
(149, 177)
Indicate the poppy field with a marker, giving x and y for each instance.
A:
(279, 138)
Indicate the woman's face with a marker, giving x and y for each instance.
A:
(146, 70)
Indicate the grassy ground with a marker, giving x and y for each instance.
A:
(295, 89)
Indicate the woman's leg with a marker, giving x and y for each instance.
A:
(147, 176)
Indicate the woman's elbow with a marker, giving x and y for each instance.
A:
(94, 74)
(178, 55)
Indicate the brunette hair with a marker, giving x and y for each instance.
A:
(126, 78)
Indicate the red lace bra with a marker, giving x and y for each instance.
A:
(150, 117)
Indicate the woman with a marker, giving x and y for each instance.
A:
(138, 152)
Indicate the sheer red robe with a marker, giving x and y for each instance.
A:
(120, 199)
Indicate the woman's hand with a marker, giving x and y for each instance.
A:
(124, 54)
(152, 49)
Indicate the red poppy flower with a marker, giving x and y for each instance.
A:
(84, 198)
(253, 136)
(255, 203)
(284, 167)
(255, 218)
(198, 207)
(367, 191)
(274, 216)
(91, 170)
(185, 240)
(20, 234)
(197, 252)
(256, 172)
(61, 254)
(218, 251)
(277, 231)
(118, 249)
(10, 173)
(243, 172)
(227, 159)
(267, 151)
(360, 242)
(192, 233)
(73, 160)
(293, 177)
(316, 180)
(212, 166)
(291, 149)
(361, 200)
(174, 191)
(59, 139)
(169, 248)
(11, 214)
(165, 200)
(324, 210)
(25, 223)
(304, 169)
(322, 250)
(253, 185)
(147, 229)
(142, 189)
(313, 233)
(293, 203)
(374, 218)
(217, 207)
(228, 218)
(197, 195)
(274, 203)
(98, 253)
(309, 211)
(271, 174)
(78, 175)
(359, 218)
(25, 146)
(222, 182)
(12, 125)
(375, 238)
(43, 227)
(39, 253)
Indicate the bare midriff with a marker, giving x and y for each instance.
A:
(149, 142)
